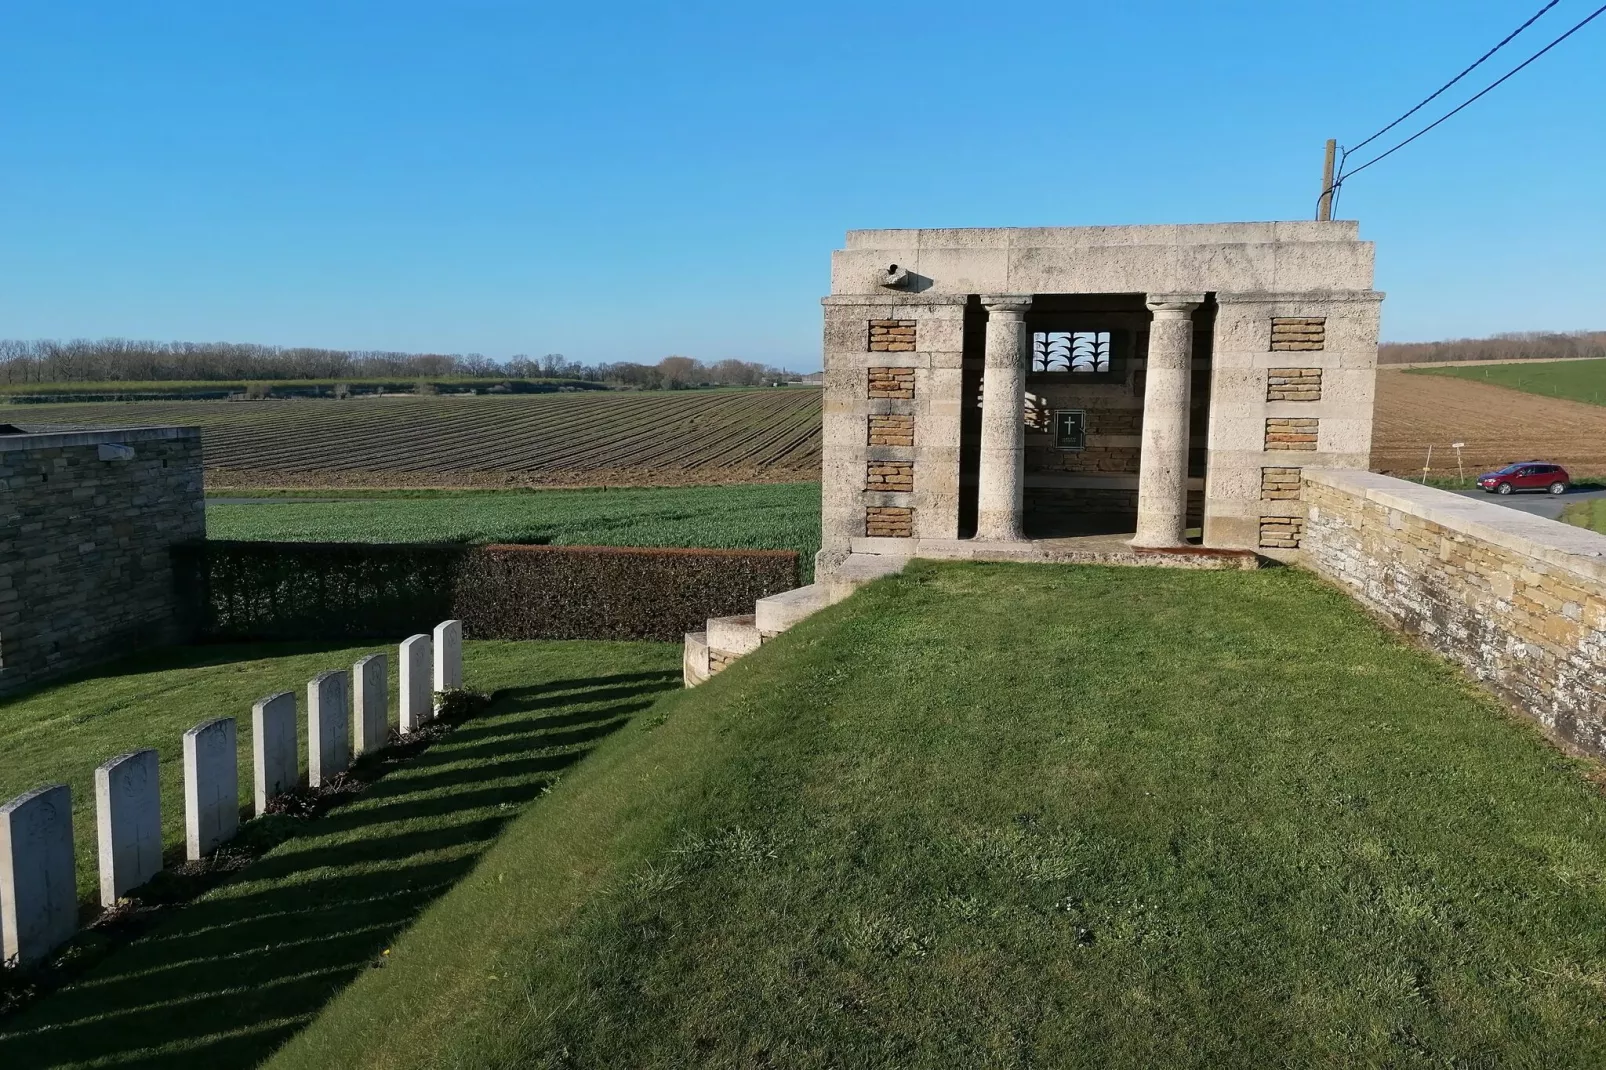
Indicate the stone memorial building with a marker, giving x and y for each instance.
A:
(1006, 386)
(88, 520)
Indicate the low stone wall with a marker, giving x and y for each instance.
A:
(87, 522)
(1518, 600)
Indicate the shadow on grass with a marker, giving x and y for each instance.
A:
(227, 979)
(185, 656)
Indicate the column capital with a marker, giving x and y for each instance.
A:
(1173, 306)
(1006, 303)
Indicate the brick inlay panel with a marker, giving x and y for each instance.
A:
(892, 429)
(1281, 532)
(1279, 484)
(892, 336)
(1291, 433)
(889, 475)
(889, 522)
(1294, 384)
(1298, 333)
(892, 383)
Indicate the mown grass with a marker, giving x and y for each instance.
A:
(1016, 816)
(779, 516)
(1574, 380)
(222, 981)
(1589, 514)
(60, 733)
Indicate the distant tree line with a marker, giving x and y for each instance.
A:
(1514, 345)
(122, 360)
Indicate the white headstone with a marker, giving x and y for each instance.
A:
(417, 705)
(370, 681)
(328, 726)
(275, 757)
(448, 655)
(211, 787)
(128, 823)
(38, 900)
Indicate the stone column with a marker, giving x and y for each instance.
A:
(1001, 489)
(1163, 464)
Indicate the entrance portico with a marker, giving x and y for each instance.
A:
(991, 392)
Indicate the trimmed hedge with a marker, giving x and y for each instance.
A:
(297, 590)
(612, 592)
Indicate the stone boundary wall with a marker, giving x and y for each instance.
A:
(1517, 600)
(89, 520)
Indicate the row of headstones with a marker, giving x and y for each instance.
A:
(38, 895)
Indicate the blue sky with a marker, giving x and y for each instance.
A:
(627, 181)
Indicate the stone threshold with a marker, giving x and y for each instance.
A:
(1083, 550)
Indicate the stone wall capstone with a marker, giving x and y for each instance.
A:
(1518, 600)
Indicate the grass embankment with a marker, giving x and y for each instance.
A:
(222, 981)
(1010, 816)
(778, 516)
(1575, 380)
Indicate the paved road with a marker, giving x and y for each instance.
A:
(1548, 506)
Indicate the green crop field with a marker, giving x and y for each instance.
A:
(1575, 380)
(764, 517)
(672, 438)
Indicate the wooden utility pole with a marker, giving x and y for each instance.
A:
(1324, 207)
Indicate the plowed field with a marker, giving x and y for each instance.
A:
(616, 439)
(1496, 423)
(752, 436)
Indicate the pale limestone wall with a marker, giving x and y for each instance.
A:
(1272, 257)
(1315, 277)
(1247, 389)
(1518, 600)
(851, 461)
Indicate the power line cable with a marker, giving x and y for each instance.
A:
(1479, 95)
(1439, 91)
(1343, 174)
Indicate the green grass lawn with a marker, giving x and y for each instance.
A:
(224, 980)
(1575, 380)
(1018, 816)
(783, 516)
(1589, 514)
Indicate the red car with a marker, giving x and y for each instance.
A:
(1526, 475)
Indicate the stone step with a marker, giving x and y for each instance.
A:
(778, 612)
(860, 569)
(694, 659)
(734, 635)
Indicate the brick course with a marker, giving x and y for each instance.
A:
(892, 429)
(889, 475)
(1298, 333)
(892, 336)
(892, 383)
(1294, 384)
(85, 569)
(1291, 433)
(1281, 532)
(1279, 484)
(889, 521)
